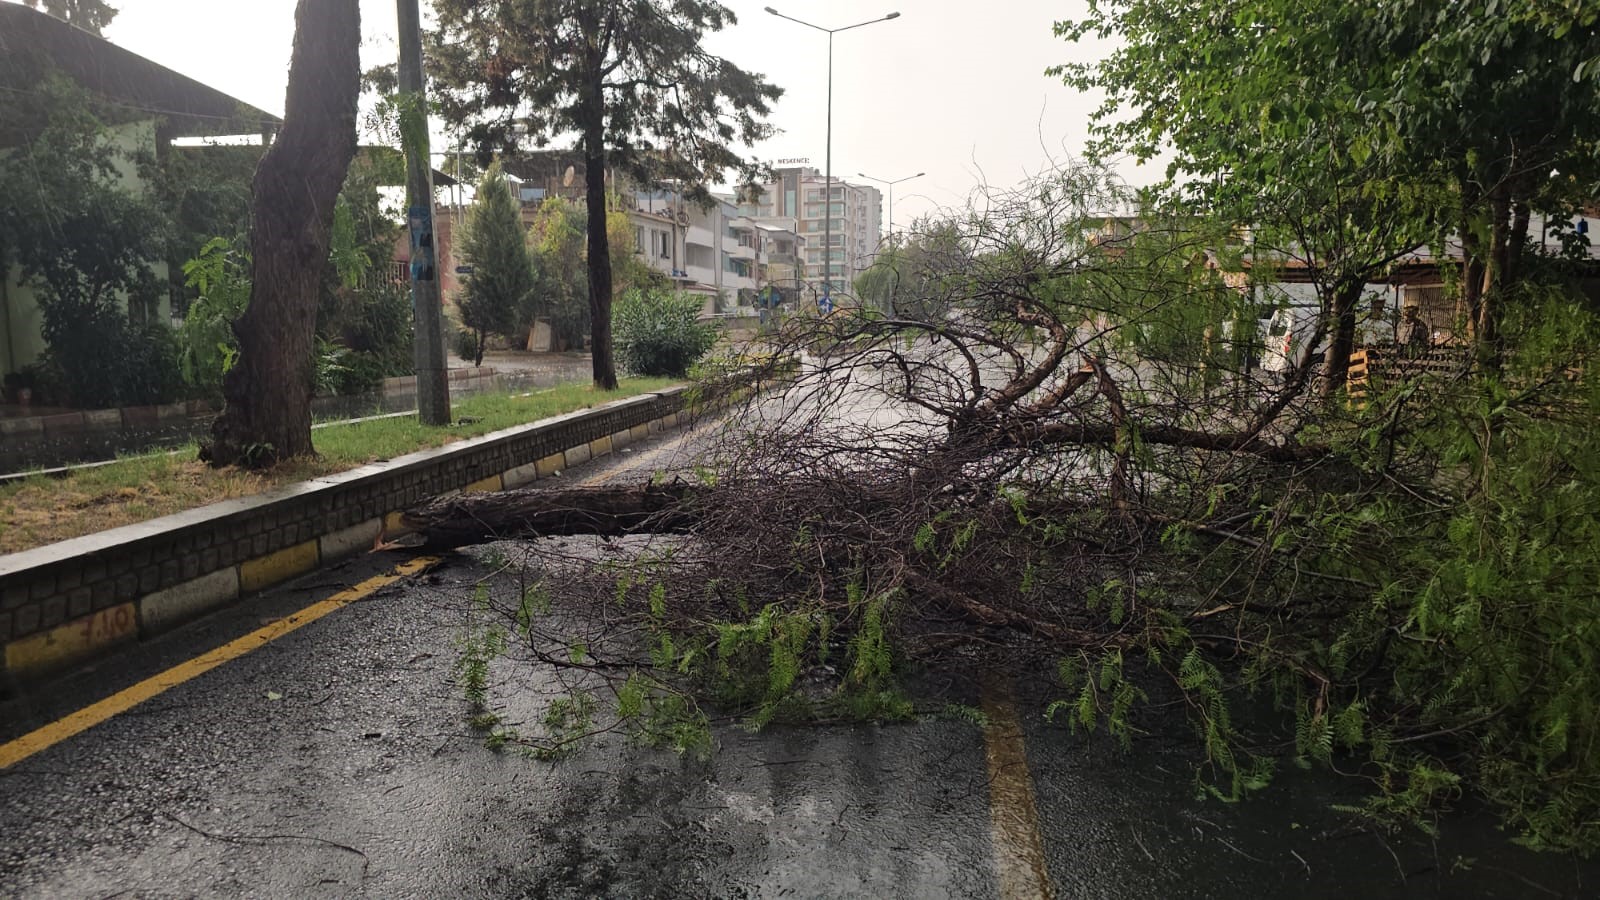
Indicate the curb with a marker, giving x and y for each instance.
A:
(77, 600)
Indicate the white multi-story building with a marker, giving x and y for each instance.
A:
(855, 211)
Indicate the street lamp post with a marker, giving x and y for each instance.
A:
(891, 185)
(827, 194)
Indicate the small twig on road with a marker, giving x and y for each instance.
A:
(1137, 840)
(265, 838)
(1225, 843)
(1302, 861)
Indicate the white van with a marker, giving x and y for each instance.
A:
(1291, 325)
(1285, 333)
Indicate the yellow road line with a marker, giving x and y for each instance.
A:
(1013, 814)
(124, 700)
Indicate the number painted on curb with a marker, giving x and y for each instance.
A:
(107, 624)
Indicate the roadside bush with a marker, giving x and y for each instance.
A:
(376, 325)
(351, 372)
(467, 346)
(152, 374)
(660, 333)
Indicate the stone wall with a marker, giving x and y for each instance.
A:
(66, 602)
(65, 437)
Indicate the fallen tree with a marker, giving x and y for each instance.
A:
(1055, 458)
(477, 518)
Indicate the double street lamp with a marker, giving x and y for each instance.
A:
(891, 185)
(827, 239)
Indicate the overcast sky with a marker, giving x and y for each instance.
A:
(952, 88)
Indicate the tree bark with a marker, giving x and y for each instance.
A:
(605, 511)
(594, 178)
(1487, 325)
(267, 416)
(1336, 364)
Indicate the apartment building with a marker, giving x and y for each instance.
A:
(804, 195)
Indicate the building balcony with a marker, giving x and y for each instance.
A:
(699, 237)
(703, 274)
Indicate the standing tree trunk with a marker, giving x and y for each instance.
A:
(1486, 326)
(267, 416)
(1342, 342)
(594, 180)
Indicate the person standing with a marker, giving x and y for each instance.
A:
(1413, 333)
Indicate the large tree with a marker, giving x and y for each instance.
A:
(1496, 101)
(1263, 135)
(296, 188)
(90, 15)
(629, 78)
(502, 273)
(1348, 133)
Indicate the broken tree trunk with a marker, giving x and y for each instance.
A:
(477, 518)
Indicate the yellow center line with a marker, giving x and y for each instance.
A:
(124, 700)
(1013, 814)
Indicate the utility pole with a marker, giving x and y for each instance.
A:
(433, 383)
(827, 176)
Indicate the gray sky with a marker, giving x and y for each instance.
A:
(952, 88)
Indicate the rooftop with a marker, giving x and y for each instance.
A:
(119, 76)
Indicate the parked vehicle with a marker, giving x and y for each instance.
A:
(1287, 331)
(1292, 324)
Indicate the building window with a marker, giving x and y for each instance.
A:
(638, 239)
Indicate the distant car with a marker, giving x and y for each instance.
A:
(1289, 328)
(1286, 332)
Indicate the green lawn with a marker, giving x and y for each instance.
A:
(42, 509)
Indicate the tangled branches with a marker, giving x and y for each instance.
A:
(1051, 447)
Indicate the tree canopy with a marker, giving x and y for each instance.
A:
(1348, 134)
(90, 15)
(631, 80)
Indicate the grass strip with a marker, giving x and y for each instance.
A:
(45, 509)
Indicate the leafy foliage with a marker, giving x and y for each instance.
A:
(90, 15)
(627, 79)
(497, 292)
(86, 242)
(561, 286)
(220, 277)
(660, 333)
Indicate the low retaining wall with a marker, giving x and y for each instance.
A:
(67, 602)
(67, 437)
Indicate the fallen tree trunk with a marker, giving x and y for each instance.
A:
(478, 518)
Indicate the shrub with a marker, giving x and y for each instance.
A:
(660, 333)
(206, 347)
(378, 327)
(467, 346)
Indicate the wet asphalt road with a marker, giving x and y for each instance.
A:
(336, 762)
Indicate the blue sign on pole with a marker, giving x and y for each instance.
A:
(420, 220)
(825, 302)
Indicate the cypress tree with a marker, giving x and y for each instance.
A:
(502, 274)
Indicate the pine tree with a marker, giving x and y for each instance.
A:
(629, 79)
(502, 274)
(90, 15)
